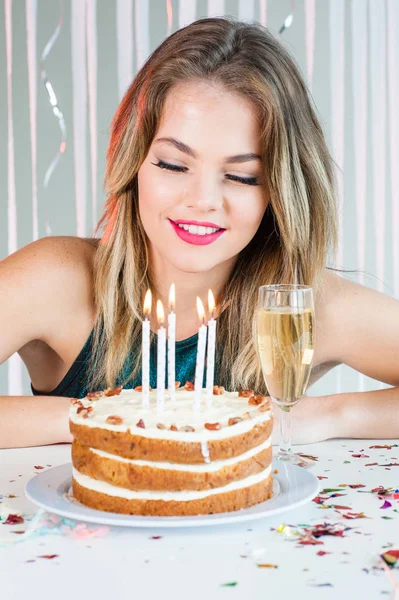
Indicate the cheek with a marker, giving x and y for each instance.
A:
(155, 196)
(248, 213)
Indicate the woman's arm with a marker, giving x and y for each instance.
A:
(27, 421)
(358, 327)
(373, 414)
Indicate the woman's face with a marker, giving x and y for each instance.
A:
(201, 188)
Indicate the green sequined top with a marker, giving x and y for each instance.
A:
(74, 383)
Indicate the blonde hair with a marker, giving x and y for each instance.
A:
(299, 227)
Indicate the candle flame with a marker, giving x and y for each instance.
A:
(211, 303)
(172, 297)
(201, 311)
(147, 304)
(160, 313)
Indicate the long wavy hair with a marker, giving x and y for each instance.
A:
(299, 228)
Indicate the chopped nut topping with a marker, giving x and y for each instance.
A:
(114, 420)
(139, 388)
(218, 390)
(256, 400)
(245, 393)
(189, 386)
(94, 395)
(177, 384)
(187, 428)
(161, 426)
(83, 408)
(75, 402)
(212, 426)
(85, 413)
(113, 392)
(173, 428)
(140, 424)
(234, 420)
(245, 416)
(265, 406)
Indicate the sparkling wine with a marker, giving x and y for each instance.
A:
(286, 345)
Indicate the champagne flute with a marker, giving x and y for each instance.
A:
(285, 335)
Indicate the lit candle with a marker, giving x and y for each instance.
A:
(161, 358)
(171, 343)
(145, 351)
(199, 368)
(210, 365)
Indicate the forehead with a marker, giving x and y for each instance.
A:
(197, 112)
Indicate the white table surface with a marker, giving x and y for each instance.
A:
(195, 563)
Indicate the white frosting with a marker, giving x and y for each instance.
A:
(129, 405)
(112, 490)
(207, 468)
(205, 451)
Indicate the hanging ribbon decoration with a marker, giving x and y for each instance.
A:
(52, 96)
(288, 21)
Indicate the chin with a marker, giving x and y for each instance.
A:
(193, 266)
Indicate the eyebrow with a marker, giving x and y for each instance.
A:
(238, 158)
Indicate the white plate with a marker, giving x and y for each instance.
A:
(293, 486)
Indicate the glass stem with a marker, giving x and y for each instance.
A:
(285, 431)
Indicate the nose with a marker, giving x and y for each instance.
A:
(204, 194)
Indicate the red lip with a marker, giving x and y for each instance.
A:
(203, 223)
(192, 238)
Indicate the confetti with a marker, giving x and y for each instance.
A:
(49, 556)
(360, 456)
(322, 553)
(386, 446)
(266, 566)
(308, 456)
(386, 504)
(355, 486)
(321, 584)
(390, 557)
(13, 520)
(354, 515)
(322, 529)
(230, 584)
(156, 537)
(38, 467)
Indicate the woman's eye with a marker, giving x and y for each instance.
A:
(245, 180)
(163, 165)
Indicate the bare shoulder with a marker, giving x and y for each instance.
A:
(358, 326)
(44, 282)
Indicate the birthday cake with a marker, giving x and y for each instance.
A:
(135, 460)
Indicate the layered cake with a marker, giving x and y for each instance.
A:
(134, 460)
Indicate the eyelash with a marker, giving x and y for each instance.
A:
(246, 180)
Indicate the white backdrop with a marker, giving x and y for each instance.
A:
(65, 65)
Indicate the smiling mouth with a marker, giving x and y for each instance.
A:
(197, 234)
(198, 229)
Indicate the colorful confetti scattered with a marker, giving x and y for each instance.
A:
(391, 557)
(13, 520)
(267, 566)
(386, 446)
(230, 584)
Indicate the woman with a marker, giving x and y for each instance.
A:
(218, 176)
